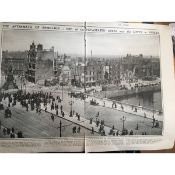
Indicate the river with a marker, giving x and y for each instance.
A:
(151, 100)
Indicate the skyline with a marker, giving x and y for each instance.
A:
(72, 43)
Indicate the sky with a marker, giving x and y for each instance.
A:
(63, 42)
(73, 42)
(121, 44)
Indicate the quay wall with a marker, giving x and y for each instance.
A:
(121, 93)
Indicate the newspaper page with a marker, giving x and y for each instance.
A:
(38, 66)
(75, 87)
(130, 83)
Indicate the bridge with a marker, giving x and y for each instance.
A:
(127, 108)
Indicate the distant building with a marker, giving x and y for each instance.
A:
(139, 67)
(39, 63)
(17, 60)
(90, 74)
(65, 76)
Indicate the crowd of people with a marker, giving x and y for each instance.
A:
(33, 102)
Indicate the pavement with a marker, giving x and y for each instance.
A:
(111, 116)
(127, 108)
(83, 122)
(34, 125)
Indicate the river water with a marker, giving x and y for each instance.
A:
(151, 100)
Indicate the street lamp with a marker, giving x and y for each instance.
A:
(123, 119)
(71, 111)
(60, 129)
(153, 105)
(62, 92)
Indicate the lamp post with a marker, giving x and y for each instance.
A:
(123, 119)
(62, 92)
(60, 129)
(71, 110)
(153, 105)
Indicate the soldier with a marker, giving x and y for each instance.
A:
(52, 117)
(103, 132)
(52, 106)
(92, 130)
(132, 107)
(13, 130)
(78, 117)
(113, 103)
(154, 120)
(74, 129)
(8, 113)
(122, 107)
(90, 120)
(131, 132)
(39, 110)
(27, 107)
(78, 130)
(62, 112)
(36, 109)
(8, 131)
(56, 111)
(104, 104)
(20, 134)
(12, 135)
(4, 131)
(137, 127)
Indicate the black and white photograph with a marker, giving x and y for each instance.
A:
(124, 84)
(37, 76)
(79, 83)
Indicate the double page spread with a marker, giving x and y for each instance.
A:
(86, 87)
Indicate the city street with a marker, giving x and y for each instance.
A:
(34, 125)
(111, 116)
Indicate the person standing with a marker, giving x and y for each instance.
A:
(56, 111)
(78, 130)
(154, 120)
(92, 130)
(52, 117)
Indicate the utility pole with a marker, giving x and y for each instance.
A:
(91, 54)
(60, 129)
(85, 71)
(62, 92)
(153, 106)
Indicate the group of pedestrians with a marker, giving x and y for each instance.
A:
(33, 102)
(10, 132)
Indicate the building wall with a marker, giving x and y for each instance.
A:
(16, 59)
(40, 63)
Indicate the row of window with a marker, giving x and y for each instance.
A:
(31, 66)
